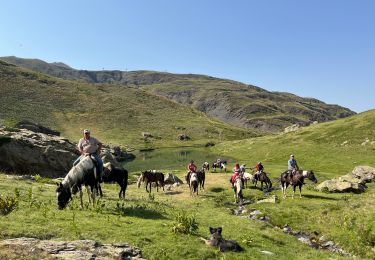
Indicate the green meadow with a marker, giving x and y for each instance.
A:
(147, 221)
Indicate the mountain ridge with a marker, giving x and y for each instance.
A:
(230, 101)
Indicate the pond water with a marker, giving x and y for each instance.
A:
(172, 159)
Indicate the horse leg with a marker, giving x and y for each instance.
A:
(92, 195)
(300, 191)
(80, 196)
(294, 191)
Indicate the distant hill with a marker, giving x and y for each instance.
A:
(116, 114)
(229, 101)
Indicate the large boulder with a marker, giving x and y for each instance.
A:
(337, 185)
(172, 179)
(26, 152)
(345, 183)
(364, 173)
(121, 155)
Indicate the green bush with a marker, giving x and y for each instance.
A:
(185, 224)
(7, 205)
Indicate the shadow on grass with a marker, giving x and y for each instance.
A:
(311, 196)
(173, 192)
(143, 213)
(217, 189)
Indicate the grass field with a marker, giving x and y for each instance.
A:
(331, 149)
(147, 221)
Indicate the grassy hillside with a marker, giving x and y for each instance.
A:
(116, 114)
(331, 149)
(229, 101)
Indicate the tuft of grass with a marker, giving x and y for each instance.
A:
(185, 223)
(7, 204)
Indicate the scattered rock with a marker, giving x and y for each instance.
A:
(267, 252)
(345, 143)
(366, 142)
(146, 135)
(271, 199)
(183, 137)
(80, 249)
(292, 128)
(241, 210)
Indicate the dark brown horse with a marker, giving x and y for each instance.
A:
(151, 176)
(115, 174)
(297, 179)
(263, 178)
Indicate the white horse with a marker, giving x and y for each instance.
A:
(81, 174)
(238, 196)
(248, 177)
(193, 183)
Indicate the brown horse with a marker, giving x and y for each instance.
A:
(263, 178)
(151, 176)
(296, 180)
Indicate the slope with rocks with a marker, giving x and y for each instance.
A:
(115, 114)
(229, 101)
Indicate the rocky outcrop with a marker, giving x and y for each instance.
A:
(183, 137)
(352, 182)
(26, 152)
(172, 179)
(80, 249)
(121, 155)
(25, 124)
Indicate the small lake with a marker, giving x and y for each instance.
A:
(172, 159)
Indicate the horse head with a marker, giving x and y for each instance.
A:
(64, 195)
(310, 175)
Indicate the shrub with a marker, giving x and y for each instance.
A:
(7, 205)
(185, 224)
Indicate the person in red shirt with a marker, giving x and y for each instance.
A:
(259, 167)
(236, 173)
(191, 168)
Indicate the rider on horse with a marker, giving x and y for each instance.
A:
(292, 166)
(236, 174)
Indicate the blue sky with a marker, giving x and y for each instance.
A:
(312, 48)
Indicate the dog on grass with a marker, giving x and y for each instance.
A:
(217, 240)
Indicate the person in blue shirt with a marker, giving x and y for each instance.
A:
(292, 165)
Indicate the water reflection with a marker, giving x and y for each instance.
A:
(171, 159)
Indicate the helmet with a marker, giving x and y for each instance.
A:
(259, 162)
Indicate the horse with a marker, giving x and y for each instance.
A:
(263, 178)
(206, 166)
(115, 174)
(193, 183)
(84, 173)
(238, 196)
(151, 176)
(248, 177)
(201, 175)
(296, 180)
(221, 165)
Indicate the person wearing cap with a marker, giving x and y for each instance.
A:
(259, 167)
(89, 145)
(292, 165)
